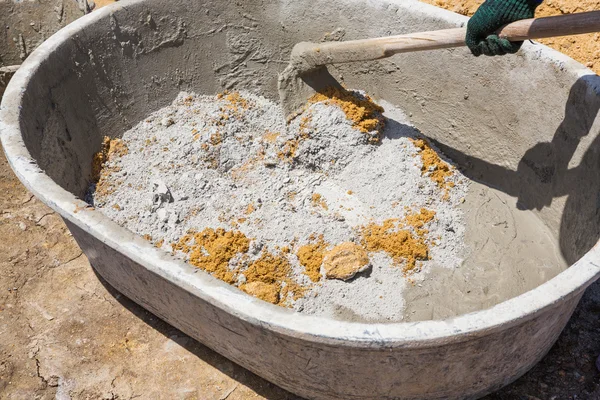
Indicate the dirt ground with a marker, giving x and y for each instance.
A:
(66, 334)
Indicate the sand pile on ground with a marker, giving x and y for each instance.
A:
(583, 48)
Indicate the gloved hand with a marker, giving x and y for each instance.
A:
(492, 15)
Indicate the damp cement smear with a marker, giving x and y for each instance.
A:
(223, 183)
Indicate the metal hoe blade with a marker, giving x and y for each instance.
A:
(296, 88)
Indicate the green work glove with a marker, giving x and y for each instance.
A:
(492, 15)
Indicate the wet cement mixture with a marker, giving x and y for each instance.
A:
(348, 212)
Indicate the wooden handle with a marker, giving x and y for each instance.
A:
(560, 25)
(316, 54)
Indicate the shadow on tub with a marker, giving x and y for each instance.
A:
(543, 173)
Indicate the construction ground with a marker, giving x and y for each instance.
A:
(66, 334)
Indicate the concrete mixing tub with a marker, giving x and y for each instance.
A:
(503, 119)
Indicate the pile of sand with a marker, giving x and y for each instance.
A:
(583, 48)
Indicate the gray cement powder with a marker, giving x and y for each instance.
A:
(188, 168)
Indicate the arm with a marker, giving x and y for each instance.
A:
(490, 16)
